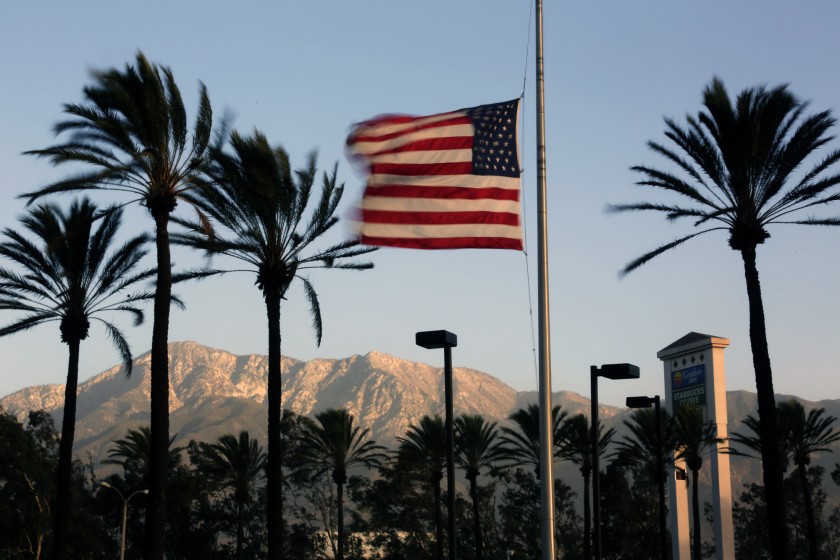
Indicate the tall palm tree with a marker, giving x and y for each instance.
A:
(735, 168)
(477, 447)
(235, 464)
(335, 444)
(423, 450)
(66, 272)
(260, 208)
(800, 437)
(132, 131)
(520, 445)
(694, 438)
(576, 446)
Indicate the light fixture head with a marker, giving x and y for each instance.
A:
(619, 371)
(436, 339)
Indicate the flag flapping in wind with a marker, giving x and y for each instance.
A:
(446, 181)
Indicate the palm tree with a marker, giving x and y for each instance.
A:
(806, 436)
(735, 169)
(521, 445)
(335, 444)
(253, 196)
(477, 447)
(69, 274)
(639, 448)
(650, 449)
(423, 450)
(133, 453)
(132, 130)
(749, 445)
(694, 438)
(575, 444)
(236, 464)
(800, 437)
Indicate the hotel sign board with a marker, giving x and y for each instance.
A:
(688, 386)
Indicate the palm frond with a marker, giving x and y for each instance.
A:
(120, 343)
(636, 263)
(315, 309)
(26, 323)
(672, 212)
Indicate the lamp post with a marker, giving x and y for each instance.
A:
(646, 402)
(446, 340)
(610, 371)
(125, 513)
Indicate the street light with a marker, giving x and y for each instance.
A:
(610, 371)
(647, 402)
(125, 513)
(446, 340)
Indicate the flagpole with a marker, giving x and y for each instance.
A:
(546, 424)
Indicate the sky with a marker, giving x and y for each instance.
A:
(303, 73)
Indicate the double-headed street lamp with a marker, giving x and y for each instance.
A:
(125, 513)
(647, 402)
(446, 340)
(610, 371)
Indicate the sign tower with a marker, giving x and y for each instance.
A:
(695, 375)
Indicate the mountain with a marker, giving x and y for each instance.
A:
(214, 392)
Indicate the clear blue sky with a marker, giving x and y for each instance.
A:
(304, 72)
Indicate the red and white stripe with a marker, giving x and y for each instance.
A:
(421, 192)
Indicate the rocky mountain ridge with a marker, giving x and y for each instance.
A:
(211, 389)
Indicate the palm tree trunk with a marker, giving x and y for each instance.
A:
(438, 518)
(771, 459)
(813, 538)
(240, 530)
(695, 512)
(587, 515)
(340, 515)
(274, 482)
(479, 546)
(155, 530)
(64, 474)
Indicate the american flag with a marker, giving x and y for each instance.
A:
(445, 181)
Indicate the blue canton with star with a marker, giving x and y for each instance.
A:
(494, 143)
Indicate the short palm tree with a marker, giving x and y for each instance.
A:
(520, 445)
(236, 464)
(477, 448)
(133, 453)
(67, 273)
(423, 450)
(694, 438)
(749, 445)
(808, 435)
(132, 132)
(735, 170)
(575, 444)
(800, 437)
(639, 447)
(257, 209)
(335, 444)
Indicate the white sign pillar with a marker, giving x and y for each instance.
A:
(695, 374)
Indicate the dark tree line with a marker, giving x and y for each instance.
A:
(348, 497)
